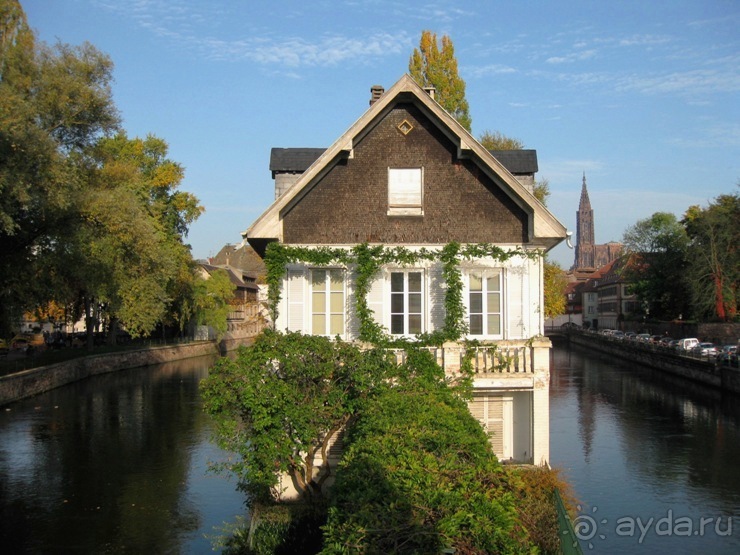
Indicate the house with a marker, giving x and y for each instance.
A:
(614, 296)
(406, 175)
(244, 310)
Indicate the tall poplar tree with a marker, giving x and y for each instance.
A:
(432, 67)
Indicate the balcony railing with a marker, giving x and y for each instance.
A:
(513, 357)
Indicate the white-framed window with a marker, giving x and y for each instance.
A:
(407, 302)
(405, 191)
(485, 302)
(327, 301)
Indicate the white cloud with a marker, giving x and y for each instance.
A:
(573, 57)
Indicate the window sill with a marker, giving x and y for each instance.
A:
(412, 211)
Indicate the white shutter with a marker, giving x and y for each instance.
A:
(296, 291)
(513, 305)
(495, 413)
(436, 292)
(375, 297)
(404, 187)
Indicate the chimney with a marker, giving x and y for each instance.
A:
(376, 91)
(431, 91)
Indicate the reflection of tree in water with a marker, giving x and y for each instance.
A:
(112, 457)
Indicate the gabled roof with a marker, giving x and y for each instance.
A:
(298, 160)
(293, 160)
(518, 162)
(544, 229)
(242, 280)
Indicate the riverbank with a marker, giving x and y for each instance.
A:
(703, 371)
(33, 381)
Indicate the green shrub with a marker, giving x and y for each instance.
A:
(418, 476)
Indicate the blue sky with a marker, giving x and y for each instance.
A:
(641, 96)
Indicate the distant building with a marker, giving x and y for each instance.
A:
(590, 256)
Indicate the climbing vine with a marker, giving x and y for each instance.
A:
(367, 260)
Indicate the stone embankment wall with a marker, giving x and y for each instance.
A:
(27, 383)
(702, 371)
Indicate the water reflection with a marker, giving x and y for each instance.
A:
(114, 464)
(638, 443)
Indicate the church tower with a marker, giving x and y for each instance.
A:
(584, 231)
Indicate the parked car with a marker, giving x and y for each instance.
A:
(728, 355)
(617, 334)
(643, 337)
(665, 341)
(708, 350)
(630, 335)
(687, 343)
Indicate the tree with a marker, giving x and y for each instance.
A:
(432, 67)
(130, 232)
(495, 140)
(658, 247)
(211, 299)
(554, 283)
(54, 103)
(714, 261)
(279, 403)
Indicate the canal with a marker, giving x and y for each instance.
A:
(119, 463)
(654, 460)
(114, 464)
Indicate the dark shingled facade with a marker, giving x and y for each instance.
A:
(349, 204)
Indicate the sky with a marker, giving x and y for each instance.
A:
(643, 98)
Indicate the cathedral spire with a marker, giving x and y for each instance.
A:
(584, 231)
(585, 203)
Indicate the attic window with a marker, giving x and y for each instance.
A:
(405, 192)
(405, 127)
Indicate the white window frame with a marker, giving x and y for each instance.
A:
(405, 295)
(405, 191)
(484, 308)
(327, 310)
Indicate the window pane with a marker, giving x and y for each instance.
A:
(337, 324)
(318, 278)
(337, 302)
(415, 281)
(415, 323)
(476, 283)
(318, 324)
(415, 303)
(396, 281)
(476, 324)
(494, 324)
(494, 302)
(493, 283)
(319, 301)
(397, 324)
(397, 304)
(476, 303)
(337, 280)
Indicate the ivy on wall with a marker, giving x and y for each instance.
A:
(367, 260)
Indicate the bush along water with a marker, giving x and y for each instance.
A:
(417, 475)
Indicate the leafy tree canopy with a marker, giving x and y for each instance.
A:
(431, 66)
(279, 403)
(211, 300)
(657, 246)
(713, 262)
(495, 140)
